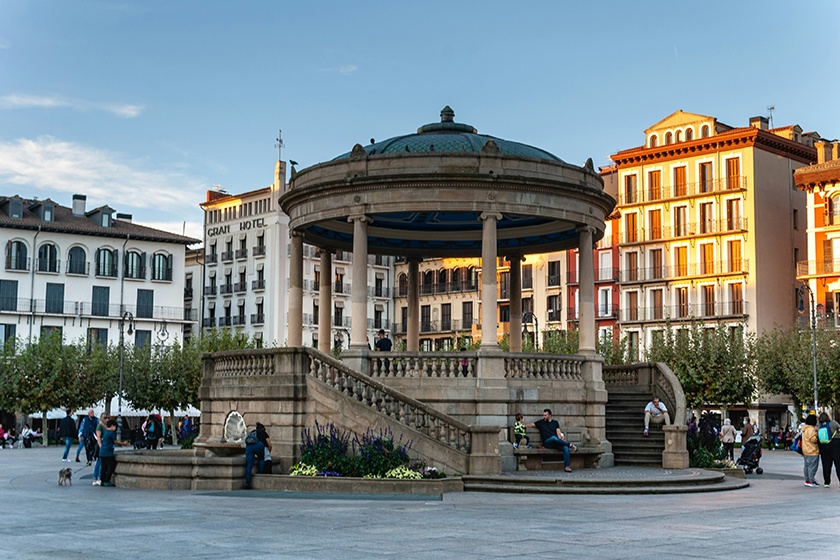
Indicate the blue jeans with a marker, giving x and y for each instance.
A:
(555, 442)
(97, 468)
(253, 451)
(68, 443)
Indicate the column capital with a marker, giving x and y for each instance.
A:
(359, 218)
(294, 233)
(585, 227)
(490, 216)
(515, 257)
(324, 250)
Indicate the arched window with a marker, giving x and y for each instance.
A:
(689, 134)
(403, 285)
(48, 258)
(106, 263)
(472, 278)
(16, 256)
(135, 265)
(162, 267)
(426, 286)
(704, 132)
(456, 280)
(77, 261)
(678, 136)
(653, 140)
(441, 282)
(667, 138)
(835, 209)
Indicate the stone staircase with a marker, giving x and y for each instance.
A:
(625, 423)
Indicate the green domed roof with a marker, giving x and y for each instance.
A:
(448, 136)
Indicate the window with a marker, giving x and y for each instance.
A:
(654, 225)
(16, 256)
(467, 314)
(145, 303)
(427, 279)
(605, 271)
(705, 178)
(654, 185)
(8, 295)
(668, 138)
(680, 182)
(403, 285)
(656, 301)
(97, 336)
(48, 258)
(504, 314)
(472, 278)
(404, 319)
(630, 194)
(733, 214)
(633, 345)
(135, 265)
(707, 264)
(604, 302)
(707, 224)
(106, 264)
(682, 302)
(680, 221)
(632, 266)
(630, 228)
(689, 134)
(48, 330)
(455, 280)
(709, 301)
(736, 299)
(338, 316)
(440, 288)
(106, 219)
(735, 260)
(142, 338)
(100, 301)
(678, 136)
(552, 304)
(653, 141)
(316, 311)
(55, 298)
(553, 273)
(379, 287)
(425, 318)
(527, 276)
(704, 131)
(633, 306)
(77, 261)
(162, 267)
(733, 173)
(504, 285)
(680, 261)
(656, 262)
(527, 305)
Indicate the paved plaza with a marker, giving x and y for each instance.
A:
(776, 517)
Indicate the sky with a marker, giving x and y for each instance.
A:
(145, 105)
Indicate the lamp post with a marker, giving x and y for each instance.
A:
(127, 316)
(527, 317)
(801, 308)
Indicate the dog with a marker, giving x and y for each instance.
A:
(65, 477)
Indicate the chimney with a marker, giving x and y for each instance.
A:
(79, 204)
(124, 217)
(760, 123)
(835, 150)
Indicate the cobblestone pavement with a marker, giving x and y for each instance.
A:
(776, 517)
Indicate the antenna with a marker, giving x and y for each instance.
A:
(279, 145)
(770, 109)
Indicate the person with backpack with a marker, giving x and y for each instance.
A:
(829, 446)
(256, 444)
(810, 450)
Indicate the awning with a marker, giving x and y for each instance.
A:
(127, 410)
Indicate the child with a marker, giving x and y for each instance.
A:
(106, 451)
(519, 432)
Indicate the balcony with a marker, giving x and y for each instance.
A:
(258, 284)
(237, 320)
(226, 289)
(241, 254)
(693, 270)
(240, 287)
(48, 265)
(641, 195)
(258, 251)
(602, 312)
(225, 321)
(555, 315)
(380, 291)
(208, 322)
(341, 288)
(78, 268)
(162, 274)
(209, 290)
(188, 293)
(817, 269)
(212, 258)
(685, 312)
(257, 318)
(553, 280)
(227, 256)
(682, 231)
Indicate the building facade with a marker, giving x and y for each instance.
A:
(83, 273)
(705, 210)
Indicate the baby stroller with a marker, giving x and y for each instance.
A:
(750, 456)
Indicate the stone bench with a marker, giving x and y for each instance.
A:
(540, 458)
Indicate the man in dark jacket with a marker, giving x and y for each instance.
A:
(87, 440)
(67, 431)
(553, 438)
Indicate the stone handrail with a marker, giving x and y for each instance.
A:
(544, 366)
(402, 408)
(653, 378)
(242, 362)
(423, 364)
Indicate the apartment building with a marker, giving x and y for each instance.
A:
(706, 209)
(85, 273)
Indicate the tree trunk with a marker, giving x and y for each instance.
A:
(45, 429)
(173, 427)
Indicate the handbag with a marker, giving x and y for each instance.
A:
(797, 444)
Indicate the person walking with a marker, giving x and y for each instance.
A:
(86, 429)
(810, 450)
(829, 445)
(727, 437)
(67, 431)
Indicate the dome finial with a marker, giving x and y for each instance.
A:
(447, 114)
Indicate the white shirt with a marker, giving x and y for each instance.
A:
(654, 411)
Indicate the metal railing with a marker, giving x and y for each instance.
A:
(825, 267)
(258, 251)
(700, 188)
(712, 268)
(711, 310)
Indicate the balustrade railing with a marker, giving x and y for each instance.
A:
(544, 366)
(423, 364)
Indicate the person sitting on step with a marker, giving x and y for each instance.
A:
(657, 412)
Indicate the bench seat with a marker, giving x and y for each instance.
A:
(540, 458)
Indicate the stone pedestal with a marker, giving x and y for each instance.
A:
(675, 455)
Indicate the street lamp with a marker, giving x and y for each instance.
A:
(801, 308)
(527, 317)
(127, 316)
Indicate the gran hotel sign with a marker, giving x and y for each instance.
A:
(256, 223)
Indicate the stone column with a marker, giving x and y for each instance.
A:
(325, 303)
(359, 288)
(489, 303)
(412, 343)
(515, 303)
(295, 290)
(586, 291)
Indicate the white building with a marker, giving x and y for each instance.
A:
(245, 272)
(80, 272)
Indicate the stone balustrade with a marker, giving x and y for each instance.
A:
(544, 366)
(423, 364)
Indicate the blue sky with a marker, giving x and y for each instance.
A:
(144, 105)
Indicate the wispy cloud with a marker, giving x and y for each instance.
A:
(28, 101)
(57, 168)
(345, 70)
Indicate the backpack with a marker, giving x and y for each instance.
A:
(797, 444)
(824, 433)
(251, 438)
